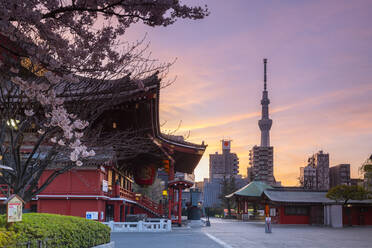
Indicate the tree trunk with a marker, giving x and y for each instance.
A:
(228, 209)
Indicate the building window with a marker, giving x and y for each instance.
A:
(296, 210)
(363, 210)
(121, 181)
(109, 179)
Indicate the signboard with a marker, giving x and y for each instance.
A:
(14, 208)
(102, 216)
(226, 144)
(91, 215)
(104, 186)
(272, 211)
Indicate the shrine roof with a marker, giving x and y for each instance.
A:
(304, 196)
(253, 189)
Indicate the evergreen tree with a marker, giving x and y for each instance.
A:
(228, 186)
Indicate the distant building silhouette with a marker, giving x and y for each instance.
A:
(315, 175)
(339, 175)
(221, 166)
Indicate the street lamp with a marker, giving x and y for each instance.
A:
(208, 223)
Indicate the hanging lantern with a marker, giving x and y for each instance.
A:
(145, 175)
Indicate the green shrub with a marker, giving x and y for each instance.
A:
(56, 230)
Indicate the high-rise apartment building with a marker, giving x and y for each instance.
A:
(261, 161)
(308, 177)
(223, 165)
(261, 157)
(318, 168)
(185, 176)
(339, 175)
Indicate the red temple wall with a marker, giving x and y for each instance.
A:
(74, 182)
(292, 219)
(74, 207)
(358, 217)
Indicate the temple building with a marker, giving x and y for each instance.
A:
(261, 158)
(127, 114)
(289, 205)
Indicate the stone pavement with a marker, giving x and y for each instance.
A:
(236, 234)
(252, 234)
(178, 238)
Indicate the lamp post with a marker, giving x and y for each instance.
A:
(207, 223)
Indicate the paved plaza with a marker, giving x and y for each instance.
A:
(231, 233)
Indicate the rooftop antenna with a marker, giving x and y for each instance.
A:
(265, 62)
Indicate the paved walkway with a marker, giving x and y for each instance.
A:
(236, 234)
(178, 238)
(249, 234)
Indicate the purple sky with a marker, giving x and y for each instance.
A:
(319, 79)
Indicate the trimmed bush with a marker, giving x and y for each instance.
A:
(55, 230)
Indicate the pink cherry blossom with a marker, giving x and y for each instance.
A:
(29, 112)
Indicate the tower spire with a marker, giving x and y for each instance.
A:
(265, 62)
(265, 122)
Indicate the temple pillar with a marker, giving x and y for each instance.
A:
(117, 211)
(170, 190)
(179, 206)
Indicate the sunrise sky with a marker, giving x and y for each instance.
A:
(319, 79)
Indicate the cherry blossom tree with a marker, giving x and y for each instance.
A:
(48, 48)
(84, 36)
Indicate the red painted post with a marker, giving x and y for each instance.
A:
(239, 202)
(160, 208)
(117, 212)
(171, 191)
(179, 205)
(170, 205)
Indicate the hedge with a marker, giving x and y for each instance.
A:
(55, 230)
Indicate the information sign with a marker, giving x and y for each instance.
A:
(104, 186)
(91, 215)
(14, 206)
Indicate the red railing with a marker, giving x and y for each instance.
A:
(124, 193)
(147, 202)
(140, 199)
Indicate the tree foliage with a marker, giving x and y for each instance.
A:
(84, 36)
(55, 230)
(228, 186)
(366, 170)
(345, 193)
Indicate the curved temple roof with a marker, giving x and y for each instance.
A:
(186, 155)
(136, 108)
(139, 110)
